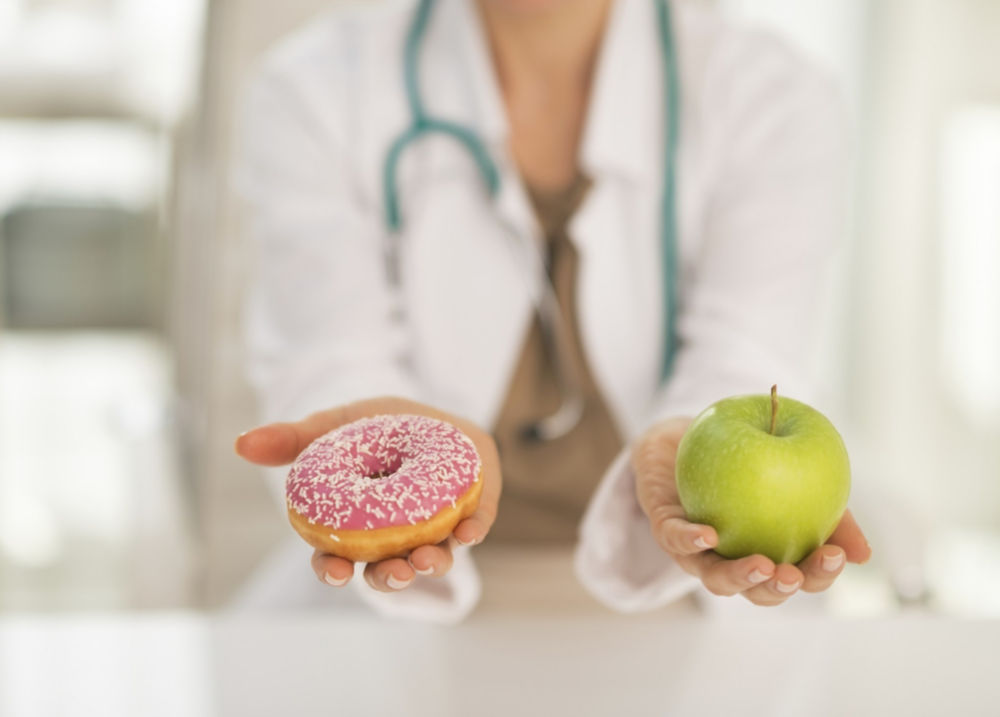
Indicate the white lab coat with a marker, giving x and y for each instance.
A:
(759, 206)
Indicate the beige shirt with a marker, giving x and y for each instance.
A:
(547, 484)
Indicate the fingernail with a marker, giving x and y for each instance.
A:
(787, 587)
(757, 577)
(397, 584)
(833, 562)
(418, 571)
(474, 541)
(330, 580)
(236, 442)
(701, 543)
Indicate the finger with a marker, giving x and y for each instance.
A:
(785, 583)
(273, 445)
(653, 460)
(278, 444)
(848, 536)
(331, 569)
(679, 537)
(728, 577)
(821, 568)
(432, 560)
(472, 530)
(389, 576)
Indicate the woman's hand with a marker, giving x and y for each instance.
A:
(755, 577)
(279, 444)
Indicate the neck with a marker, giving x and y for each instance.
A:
(553, 44)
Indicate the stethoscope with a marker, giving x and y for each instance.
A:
(554, 330)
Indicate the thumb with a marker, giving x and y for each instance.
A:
(848, 536)
(653, 460)
(277, 444)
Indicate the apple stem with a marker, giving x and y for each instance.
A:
(774, 407)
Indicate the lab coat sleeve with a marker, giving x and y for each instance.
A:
(323, 324)
(750, 297)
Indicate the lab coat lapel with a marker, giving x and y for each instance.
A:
(487, 303)
(616, 230)
(624, 119)
(489, 117)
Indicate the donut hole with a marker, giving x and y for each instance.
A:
(384, 469)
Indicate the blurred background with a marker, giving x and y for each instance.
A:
(120, 283)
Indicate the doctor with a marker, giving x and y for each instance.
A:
(573, 224)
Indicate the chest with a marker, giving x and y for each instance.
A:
(546, 125)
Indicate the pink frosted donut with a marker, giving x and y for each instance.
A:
(382, 486)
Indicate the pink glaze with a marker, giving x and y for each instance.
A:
(430, 464)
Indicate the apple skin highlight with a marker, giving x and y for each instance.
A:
(779, 495)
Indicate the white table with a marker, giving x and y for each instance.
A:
(537, 646)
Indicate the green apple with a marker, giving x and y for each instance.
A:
(771, 477)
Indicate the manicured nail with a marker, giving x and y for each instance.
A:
(236, 442)
(757, 577)
(833, 562)
(701, 543)
(474, 541)
(418, 571)
(330, 580)
(787, 587)
(397, 584)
